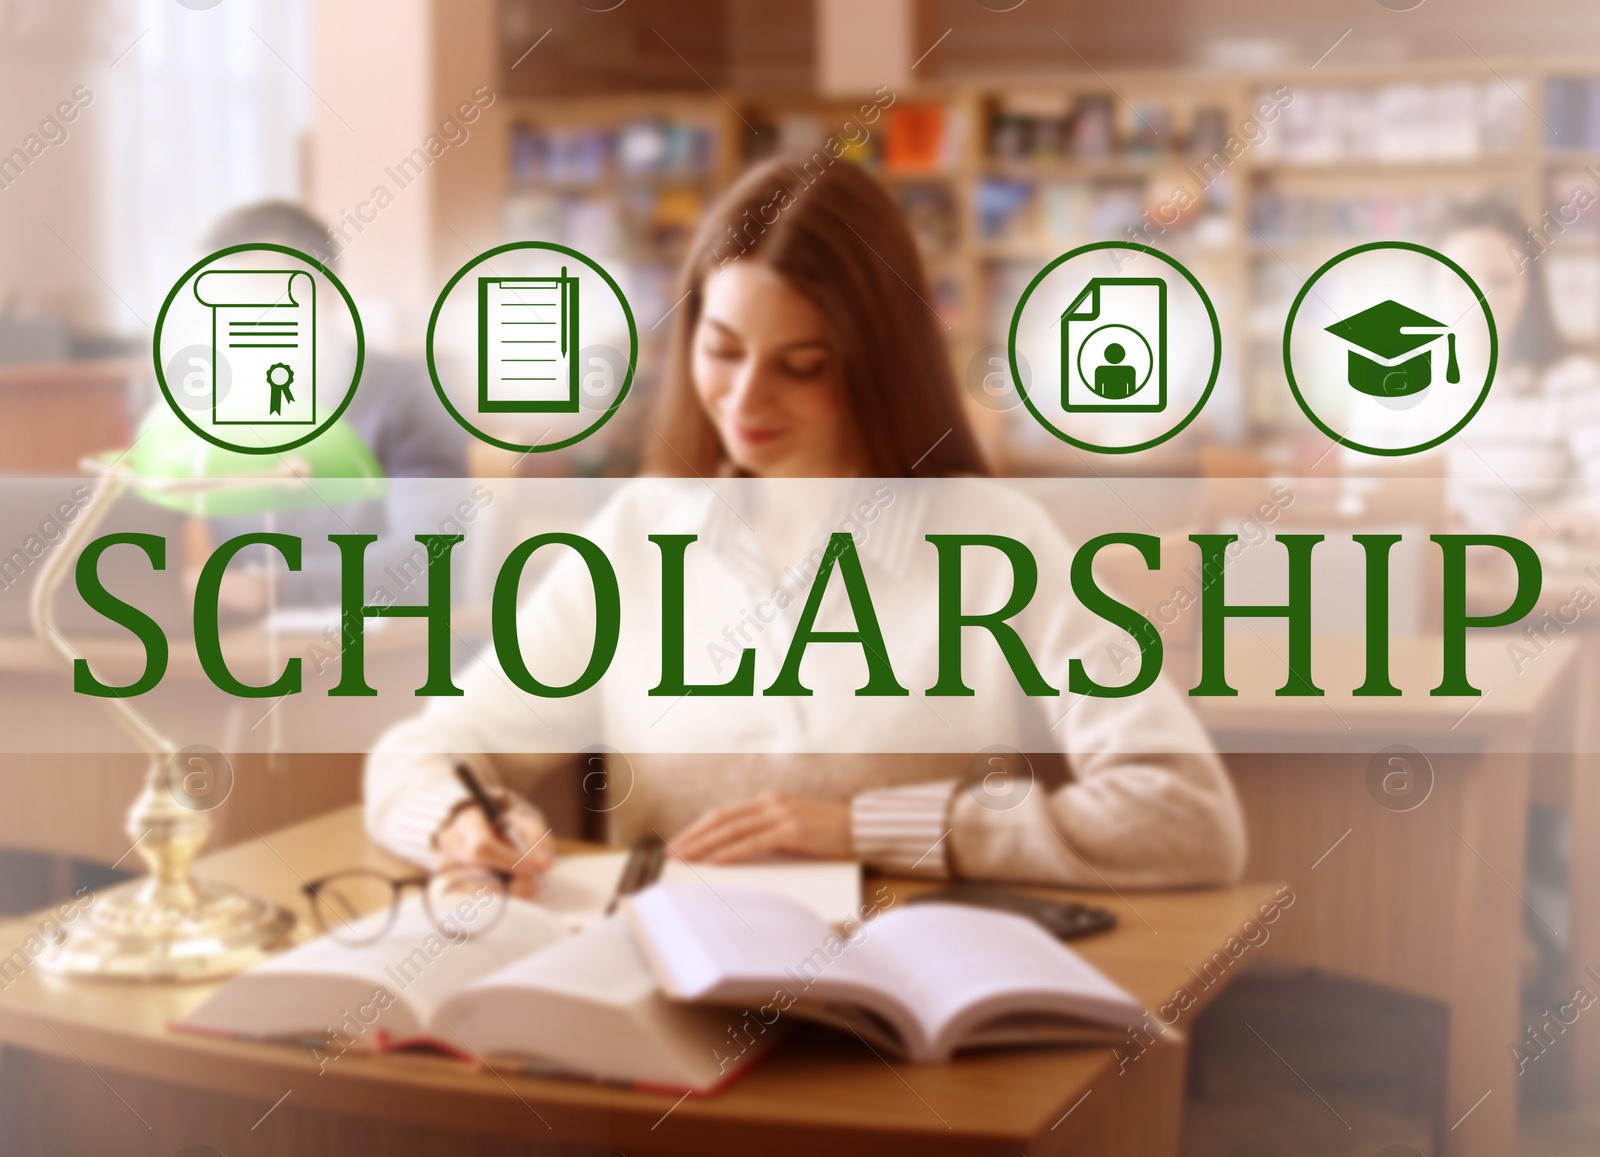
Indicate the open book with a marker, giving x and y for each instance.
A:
(524, 993)
(921, 981)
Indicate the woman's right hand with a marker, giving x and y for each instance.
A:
(467, 840)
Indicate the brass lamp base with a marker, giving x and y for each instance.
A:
(169, 926)
(129, 934)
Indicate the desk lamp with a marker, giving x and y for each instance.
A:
(170, 926)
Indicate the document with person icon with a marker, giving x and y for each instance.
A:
(1114, 346)
(263, 329)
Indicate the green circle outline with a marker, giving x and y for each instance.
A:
(1488, 317)
(1216, 347)
(161, 320)
(627, 381)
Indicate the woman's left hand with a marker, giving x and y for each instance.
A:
(767, 825)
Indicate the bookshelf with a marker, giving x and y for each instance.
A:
(1570, 236)
(1370, 153)
(624, 180)
(999, 177)
(1066, 160)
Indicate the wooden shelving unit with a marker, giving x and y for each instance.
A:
(623, 179)
(1250, 261)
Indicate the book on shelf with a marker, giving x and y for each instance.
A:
(555, 154)
(1003, 206)
(1403, 122)
(1571, 112)
(916, 138)
(931, 214)
(1050, 127)
(1093, 128)
(1149, 128)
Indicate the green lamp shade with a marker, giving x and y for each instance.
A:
(333, 469)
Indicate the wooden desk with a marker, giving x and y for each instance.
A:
(1427, 901)
(817, 1092)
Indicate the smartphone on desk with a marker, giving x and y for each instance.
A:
(1063, 919)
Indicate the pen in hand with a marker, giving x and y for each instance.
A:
(493, 811)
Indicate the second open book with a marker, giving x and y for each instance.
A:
(921, 982)
(656, 995)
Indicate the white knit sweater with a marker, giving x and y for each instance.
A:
(1145, 803)
(1535, 446)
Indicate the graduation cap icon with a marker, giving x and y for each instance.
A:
(1389, 354)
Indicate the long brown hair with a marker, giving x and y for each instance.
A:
(1536, 341)
(835, 235)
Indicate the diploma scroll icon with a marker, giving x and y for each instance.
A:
(263, 327)
(1114, 347)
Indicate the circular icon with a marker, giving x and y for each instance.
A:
(199, 778)
(1399, 778)
(988, 379)
(199, 6)
(1104, 364)
(199, 372)
(1390, 348)
(1125, 345)
(197, 1150)
(605, 779)
(1401, 5)
(280, 359)
(515, 332)
(999, 777)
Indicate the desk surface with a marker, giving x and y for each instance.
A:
(820, 1088)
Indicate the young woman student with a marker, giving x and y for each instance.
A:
(806, 348)
(1537, 438)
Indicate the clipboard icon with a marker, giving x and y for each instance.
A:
(1114, 347)
(528, 344)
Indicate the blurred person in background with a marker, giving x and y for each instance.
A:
(1536, 441)
(806, 348)
(395, 411)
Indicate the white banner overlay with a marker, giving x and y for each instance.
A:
(685, 616)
